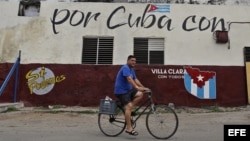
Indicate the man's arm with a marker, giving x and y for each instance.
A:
(136, 84)
(132, 82)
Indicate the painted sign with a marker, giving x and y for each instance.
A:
(147, 19)
(170, 73)
(42, 80)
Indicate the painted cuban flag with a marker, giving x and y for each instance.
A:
(159, 8)
(201, 84)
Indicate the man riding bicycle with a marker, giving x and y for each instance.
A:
(129, 90)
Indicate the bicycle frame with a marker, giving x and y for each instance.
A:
(147, 103)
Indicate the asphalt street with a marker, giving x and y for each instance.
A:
(72, 126)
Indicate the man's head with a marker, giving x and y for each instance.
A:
(131, 61)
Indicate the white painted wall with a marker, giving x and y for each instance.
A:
(213, 2)
(34, 36)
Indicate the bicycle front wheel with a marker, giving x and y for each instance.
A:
(162, 122)
(112, 125)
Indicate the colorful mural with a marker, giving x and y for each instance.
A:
(201, 84)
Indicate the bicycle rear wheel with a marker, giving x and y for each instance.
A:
(162, 122)
(112, 125)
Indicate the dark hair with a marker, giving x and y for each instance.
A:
(131, 56)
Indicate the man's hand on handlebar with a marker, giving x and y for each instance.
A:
(141, 89)
(146, 90)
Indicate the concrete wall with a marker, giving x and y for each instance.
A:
(57, 49)
(41, 41)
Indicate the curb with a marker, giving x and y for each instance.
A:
(5, 106)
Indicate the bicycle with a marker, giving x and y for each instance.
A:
(161, 120)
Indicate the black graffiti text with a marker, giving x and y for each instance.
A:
(195, 23)
(145, 21)
(84, 18)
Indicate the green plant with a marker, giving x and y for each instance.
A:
(215, 108)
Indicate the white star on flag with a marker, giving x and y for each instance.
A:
(200, 78)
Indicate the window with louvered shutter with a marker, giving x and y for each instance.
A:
(149, 50)
(97, 50)
(247, 54)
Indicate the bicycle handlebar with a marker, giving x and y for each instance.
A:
(148, 91)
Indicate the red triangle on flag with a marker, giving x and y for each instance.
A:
(195, 73)
(152, 8)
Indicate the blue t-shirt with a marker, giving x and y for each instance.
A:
(122, 85)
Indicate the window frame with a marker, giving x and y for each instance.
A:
(144, 49)
(103, 52)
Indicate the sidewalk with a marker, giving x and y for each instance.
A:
(19, 106)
